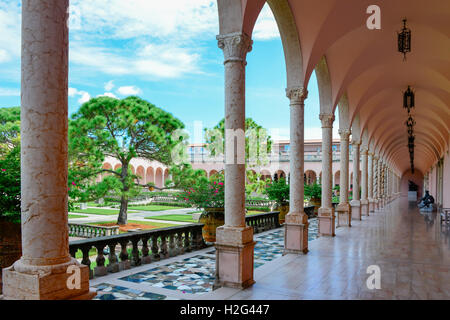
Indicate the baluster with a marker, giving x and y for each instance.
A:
(73, 251)
(180, 247)
(155, 248)
(172, 245)
(135, 253)
(199, 243)
(86, 261)
(187, 242)
(145, 250)
(113, 265)
(100, 270)
(124, 262)
(164, 249)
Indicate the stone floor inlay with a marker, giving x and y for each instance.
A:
(107, 291)
(196, 274)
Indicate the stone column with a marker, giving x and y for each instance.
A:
(355, 203)
(375, 182)
(364, 176)
(44, 269)
(296, 225)
(370, 182)
(326, 211)
(343, 208)
(234, 240)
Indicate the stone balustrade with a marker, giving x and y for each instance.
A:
(91, 231)
(263, 222)
(259, 203)
(136, 248)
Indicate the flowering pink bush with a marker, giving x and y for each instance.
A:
(205, 193)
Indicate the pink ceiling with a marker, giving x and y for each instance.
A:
(365, 64)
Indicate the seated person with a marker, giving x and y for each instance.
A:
(426, 200)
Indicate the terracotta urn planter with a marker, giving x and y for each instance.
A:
(316, 202)
(10, 244)
(211, 218)
(284, 210)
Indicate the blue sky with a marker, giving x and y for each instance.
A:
(165, 52)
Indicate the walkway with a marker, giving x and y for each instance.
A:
(410, 248)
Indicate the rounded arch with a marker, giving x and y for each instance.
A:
(166, 176)
(159, 178)
(140, 172)
(150, 175)
(212, 173)
(310, 177)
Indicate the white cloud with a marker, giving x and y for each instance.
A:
(10, 30)
(109, 85)
(108, 94)
(7, 92)
(266, 27)
(129, 91)
(84, 96)
(174, 19)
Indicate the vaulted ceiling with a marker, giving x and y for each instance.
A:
(366, 66)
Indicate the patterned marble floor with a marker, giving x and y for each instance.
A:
(186, 276)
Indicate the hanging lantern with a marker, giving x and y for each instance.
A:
(408, 99)
(410, 123)
(404, 40)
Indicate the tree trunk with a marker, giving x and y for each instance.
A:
(122, 219)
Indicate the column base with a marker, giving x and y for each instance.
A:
(234, 257)
(356, 209)
(296, 233)
(364, 207)
(327, 222)
(344, 214)
(46, 282)
(371, 205)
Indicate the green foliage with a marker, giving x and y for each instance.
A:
(10, 184)
(258, 144)
(123, 129)
(9, 129)
(278, 191)
(313, 191)
(205, 193)
(255, 184)
(184, 176)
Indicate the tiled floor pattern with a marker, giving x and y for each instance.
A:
(192, 275)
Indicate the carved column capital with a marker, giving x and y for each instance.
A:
(235, 46)
(327, 120)
(344, 133)
(355, 143)
(297, 95)
(364, 151)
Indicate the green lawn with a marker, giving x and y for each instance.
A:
(150, 223)
(74, 216)
(153, 208)
(104, 212)
(252, 212)
(174, 217)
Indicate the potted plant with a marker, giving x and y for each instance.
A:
(279, 192)
(208, 195)
(314, 193)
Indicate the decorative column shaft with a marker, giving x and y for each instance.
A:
(355, 203)
(326, 211)
(370, 182)
(364, 184)
(343, 208)
(41, 271)
(375, 181)
(296, 225)
(234, 241)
